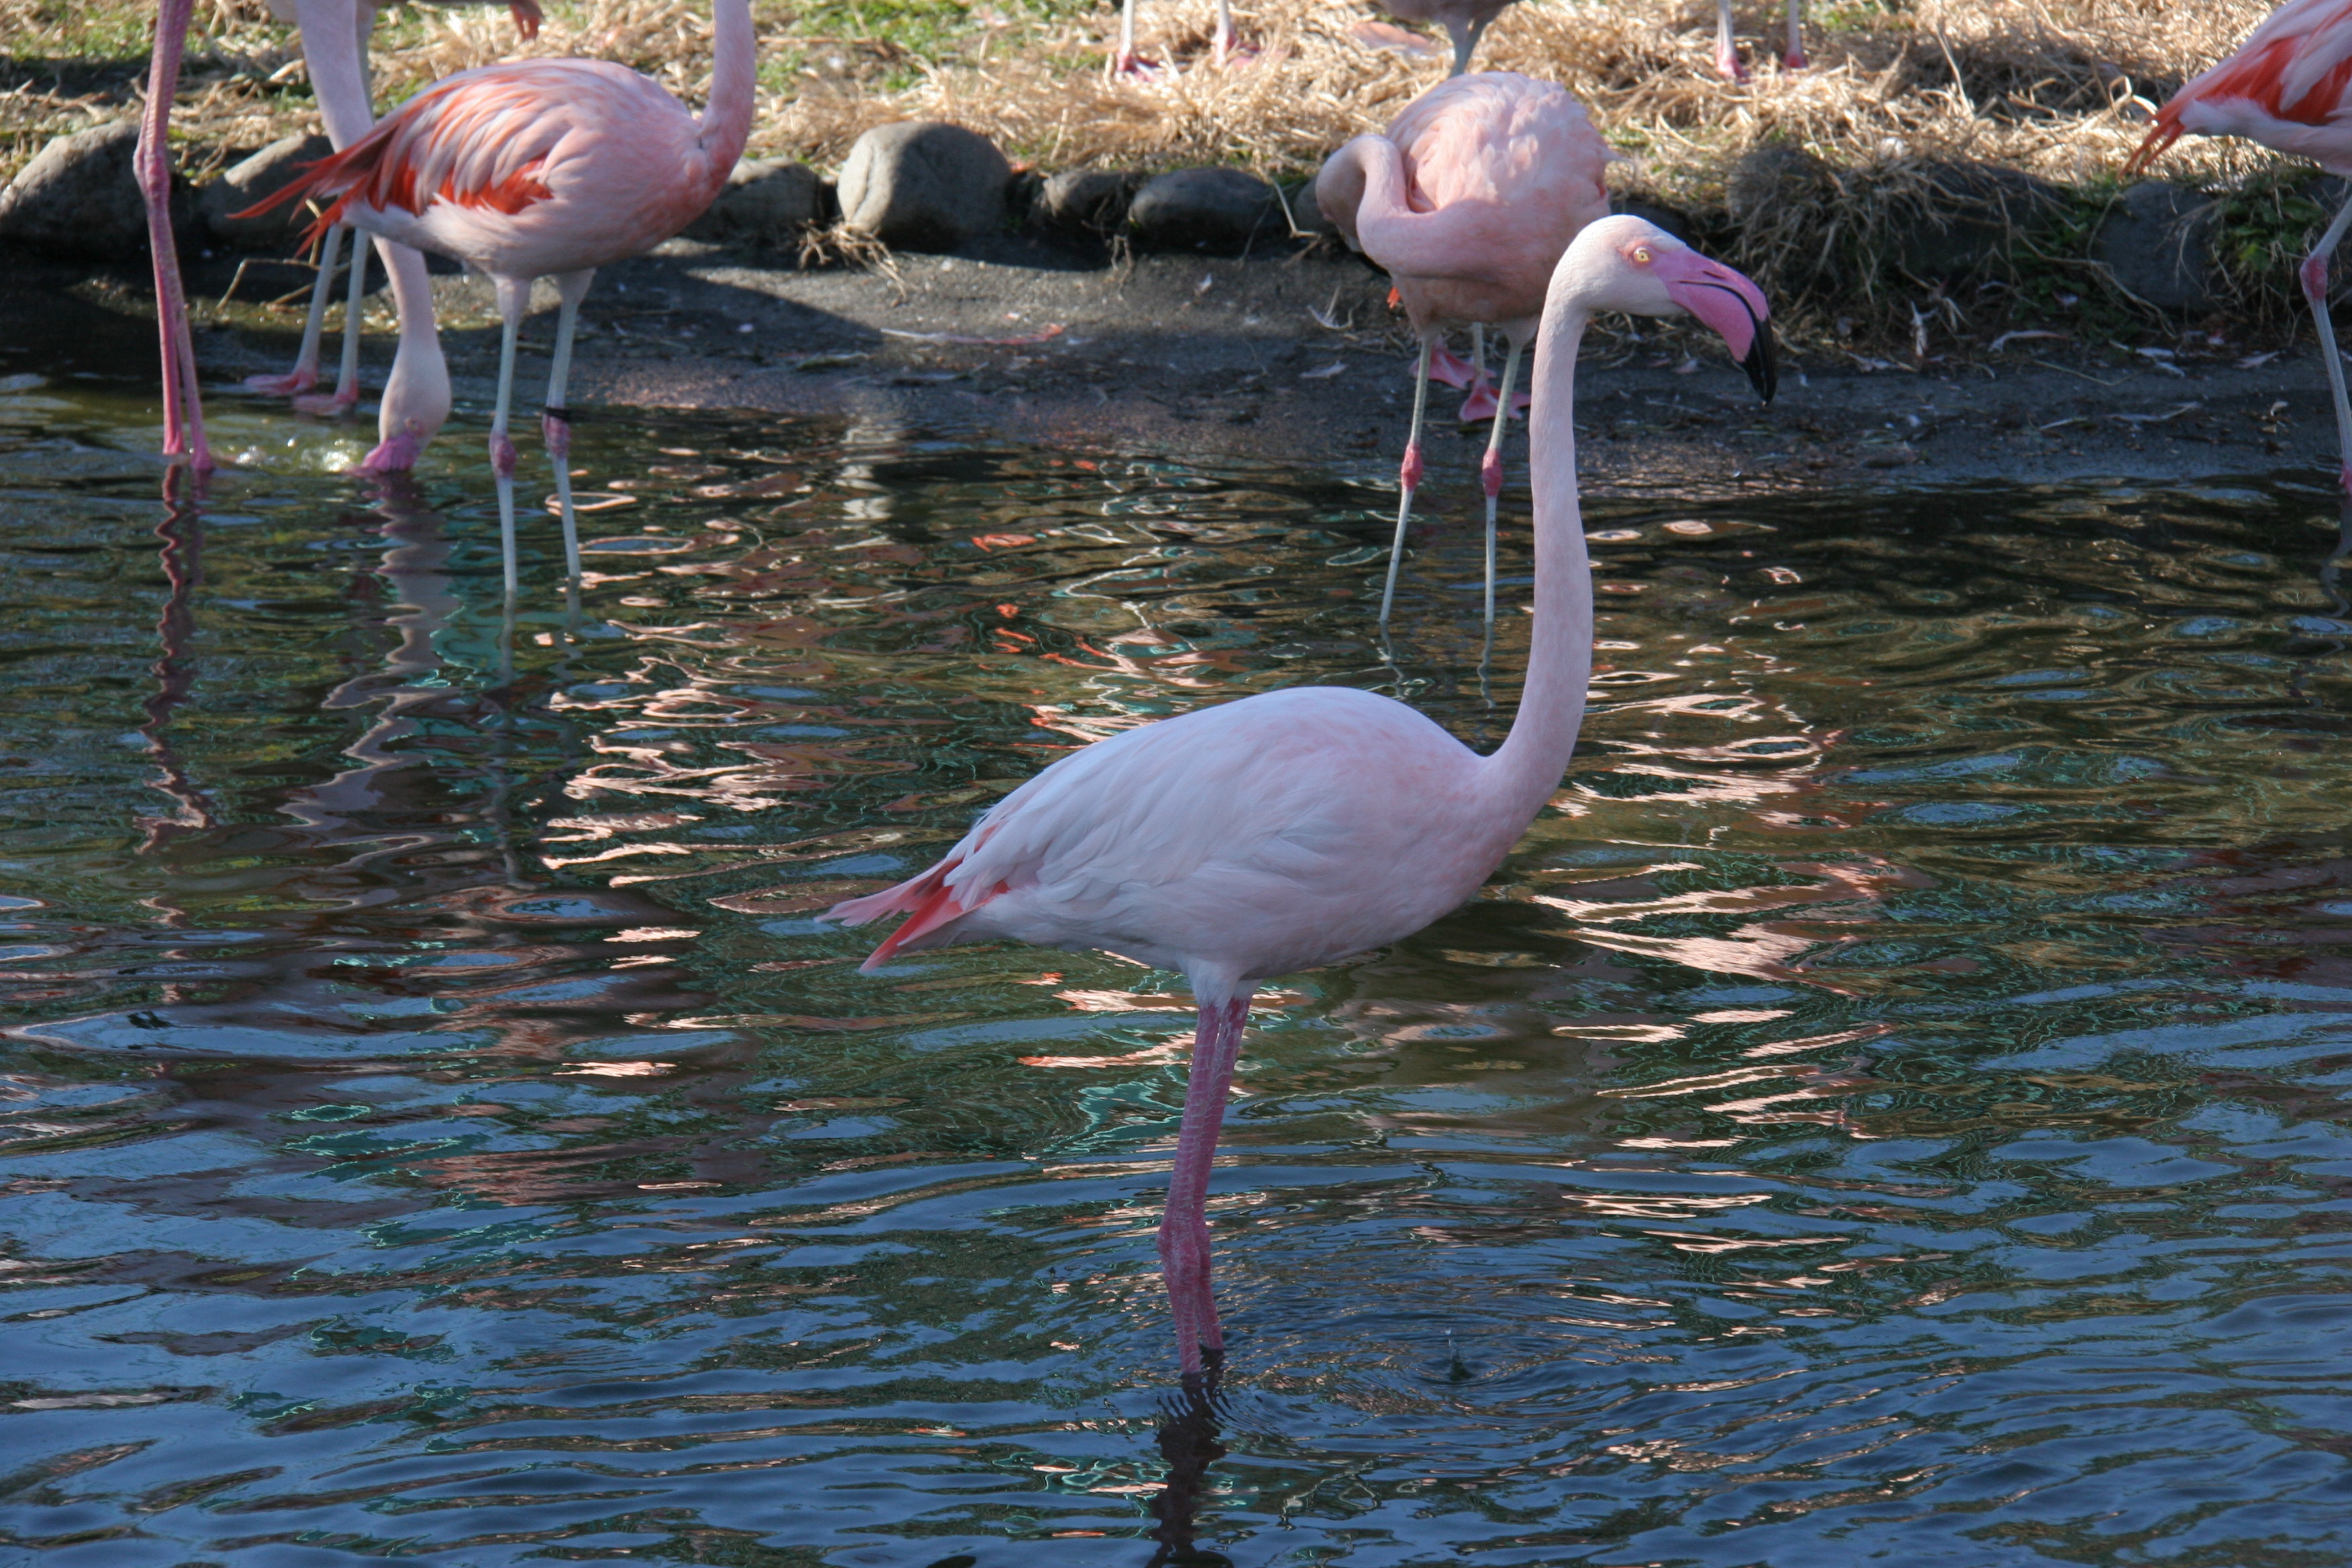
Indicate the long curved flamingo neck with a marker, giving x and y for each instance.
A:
(1526, 767)
(726, 122)
(333, 50)
(1457, 240)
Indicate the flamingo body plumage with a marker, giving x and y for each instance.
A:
(1286, 830)
(2289, 87)
(1469, 200)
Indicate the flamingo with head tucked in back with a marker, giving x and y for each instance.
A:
(542, 168)
(2289, 87)
(1287, 830)
(415, 401)
(1468, 200)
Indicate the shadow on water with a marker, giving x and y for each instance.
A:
(1891, 1105)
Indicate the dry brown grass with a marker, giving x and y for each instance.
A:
(2058, 88)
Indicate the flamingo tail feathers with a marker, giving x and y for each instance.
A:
(930, 904)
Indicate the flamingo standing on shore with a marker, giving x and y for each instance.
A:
(415, 403)
(183, 408)
(1465, 21)
(538, 168)
(1284, 831)
(1726, 54)
(1224, 43)
(1469, 200)
(2289, 87)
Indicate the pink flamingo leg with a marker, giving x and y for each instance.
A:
(1726, 53)
(514, 297)
(1795, 59)
(553, 424)
(1490, 470)
(305, 373)
(1408, 475)
(346, 394)
(2315, 290)
(1184, 1229)
(184, 412)
(1123, 63)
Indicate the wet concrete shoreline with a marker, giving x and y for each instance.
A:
(1293, 357)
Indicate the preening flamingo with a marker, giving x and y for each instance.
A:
(1726, 54)
(183, 408)
(538, 168)
(1285, 831)
(416, 394)
(2289, 87)
(1468, 200)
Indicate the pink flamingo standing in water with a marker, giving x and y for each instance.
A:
(416, 394)
(1468, 200)
(1285, 831)
(538, 168)
(2289, 87)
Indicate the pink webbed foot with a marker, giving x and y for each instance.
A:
(1726, 63)
(397, 455)
(1795, 61)
(1136, 68)
(1450, 369)
(327, 406)
(287, 385)
(1233, 52)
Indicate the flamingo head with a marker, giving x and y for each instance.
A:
(1636, 267)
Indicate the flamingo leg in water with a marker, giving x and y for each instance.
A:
(554, 423)
(1184, 1228)
(347, 378)
(184, 412)
(1408, 475)
(1795, 59)
(305, 373)
(514, 298)
(2315, 290)
(1726, 53)
(1490, 471)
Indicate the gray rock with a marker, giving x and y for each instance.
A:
(1205, 209)
(1674, 220)
(1085, 201)
(258, 178)
(766, 205)
(2156, 243)
(1958, 219)
(923, 184)
(80, 198)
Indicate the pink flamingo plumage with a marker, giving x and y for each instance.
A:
(416, 394)
(1465, 21)
(183, 409)
(1284, 831)
(1468, 199)
(542, 168)
(2289, 87)
(1726, 54)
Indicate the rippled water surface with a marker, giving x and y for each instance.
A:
(1890, 1108)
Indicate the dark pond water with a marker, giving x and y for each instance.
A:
(1890, 1109)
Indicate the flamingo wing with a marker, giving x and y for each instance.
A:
(482, 138)
(2285, 82)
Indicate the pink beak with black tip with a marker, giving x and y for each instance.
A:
(1728, 303)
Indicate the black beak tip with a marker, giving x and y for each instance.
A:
(1763, 369)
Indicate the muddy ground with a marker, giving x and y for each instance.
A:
(1293, 357)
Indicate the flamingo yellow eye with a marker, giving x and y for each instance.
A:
(1641, 256)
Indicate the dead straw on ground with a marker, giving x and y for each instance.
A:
(2059, 89)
